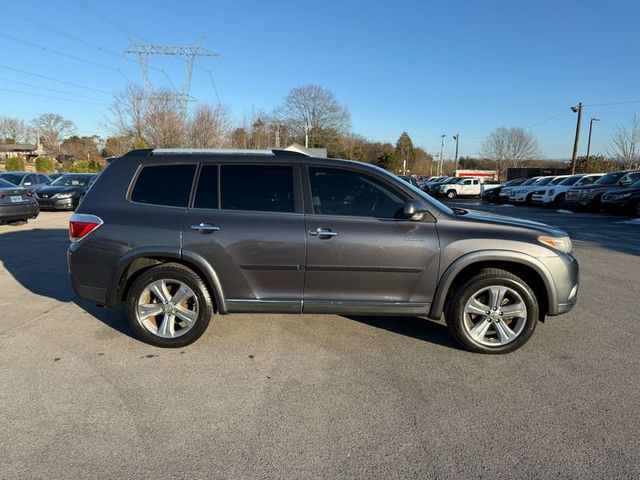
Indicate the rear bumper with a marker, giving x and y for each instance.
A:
(94, 294)
(18, 212)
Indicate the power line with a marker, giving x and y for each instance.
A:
(55, 90)
(64, 82)
(626, 102)
(555, 115)
(103, 17)
(57, 52)
(50, 96)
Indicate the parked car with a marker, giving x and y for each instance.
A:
(409, 179)
(493, 194)
(524, 193)
(589, 196)
(433, 188)
(508, 193)
(433, 181)
(623, 200)
(555, 192)
(465, 187)
(182, 234)
(28, 180)
(17, 204)
(53, 176)
(65, 192)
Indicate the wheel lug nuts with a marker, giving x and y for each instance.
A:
(488, 312)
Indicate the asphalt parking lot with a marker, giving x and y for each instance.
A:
(318, 396)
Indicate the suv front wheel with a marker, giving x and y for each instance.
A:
(169, 306)
(493, 312)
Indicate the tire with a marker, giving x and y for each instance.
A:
(196, 306)
(559, 200)
(452, 194)
(491, 336)
(636, 209)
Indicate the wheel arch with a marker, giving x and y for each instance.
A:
(137, 261)
(524, 266)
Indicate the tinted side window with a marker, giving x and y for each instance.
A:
(267, 188)
(207, 193)
(164, 185)
(346, 192)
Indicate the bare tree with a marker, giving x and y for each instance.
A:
(208, 127)
(13, 129)
(52, 128)
(164, 125)
(507, 147)
(128, 112)
(314, 106)
(625, 144)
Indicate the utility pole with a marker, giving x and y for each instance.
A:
(574, 156)
(456, 137)
(306, 135)
(278, 135)
(442, 137)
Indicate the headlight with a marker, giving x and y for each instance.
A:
(64, 195)
(559, 243)
(622, 195)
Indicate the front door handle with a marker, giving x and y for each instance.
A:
(205, 228)
(323, 233)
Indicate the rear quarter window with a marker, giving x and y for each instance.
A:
(167, 185)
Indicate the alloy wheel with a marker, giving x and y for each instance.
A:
(167, 308)
(495, 315)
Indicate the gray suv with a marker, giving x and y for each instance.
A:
(182, 234)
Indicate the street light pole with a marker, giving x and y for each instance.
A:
(574, 156)
(590, 129)
(441, 151)
(456, 137)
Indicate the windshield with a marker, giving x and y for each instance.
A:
(72, 181)
(11, 177)
(629, 179)
(558, 180)
(5, 184)
(543, 181)
(530, 181)
(570, 180)
(610, 178)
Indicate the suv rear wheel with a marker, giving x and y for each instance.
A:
(169, 306)
(493, 312)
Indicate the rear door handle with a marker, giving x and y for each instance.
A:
(205, 228)
(323, 233)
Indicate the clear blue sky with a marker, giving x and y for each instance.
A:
(420, 66)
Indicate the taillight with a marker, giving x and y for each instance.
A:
(81, 225)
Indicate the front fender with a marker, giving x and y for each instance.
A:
(437, 307)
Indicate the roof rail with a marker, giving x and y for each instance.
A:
(145, 152)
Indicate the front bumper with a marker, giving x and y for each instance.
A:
(22, 211)
(565, 271)
(56, 204)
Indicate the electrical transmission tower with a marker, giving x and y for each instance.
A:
(190, 52)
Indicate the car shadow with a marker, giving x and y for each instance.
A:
(37, 259)
(419, 328)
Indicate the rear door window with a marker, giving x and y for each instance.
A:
(168, 185)
(266, 188)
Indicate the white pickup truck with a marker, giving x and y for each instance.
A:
(469, 187)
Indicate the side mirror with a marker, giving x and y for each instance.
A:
(413, 210)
